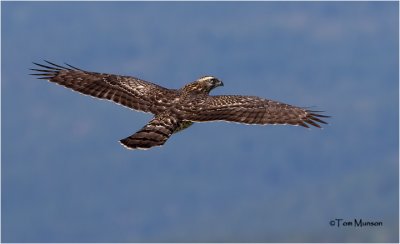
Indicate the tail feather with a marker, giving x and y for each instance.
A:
(155, 133)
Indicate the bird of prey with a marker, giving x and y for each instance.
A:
(175, 109)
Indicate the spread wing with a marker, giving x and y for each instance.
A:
(250, 110)
(125, 90)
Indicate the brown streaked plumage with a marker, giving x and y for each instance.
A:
(175, 110)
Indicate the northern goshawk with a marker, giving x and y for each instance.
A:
(175, 109)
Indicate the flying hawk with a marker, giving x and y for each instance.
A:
(175, 110)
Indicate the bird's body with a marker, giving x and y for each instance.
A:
(175, 109)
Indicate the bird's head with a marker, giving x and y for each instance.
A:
(203, 85)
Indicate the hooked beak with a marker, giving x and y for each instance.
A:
(221, 83)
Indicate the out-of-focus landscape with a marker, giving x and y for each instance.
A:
(65, 177)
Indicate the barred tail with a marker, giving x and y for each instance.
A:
(155, 133)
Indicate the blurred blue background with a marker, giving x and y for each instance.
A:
(65, 177)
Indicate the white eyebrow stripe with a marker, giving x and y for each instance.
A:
(206, 78)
